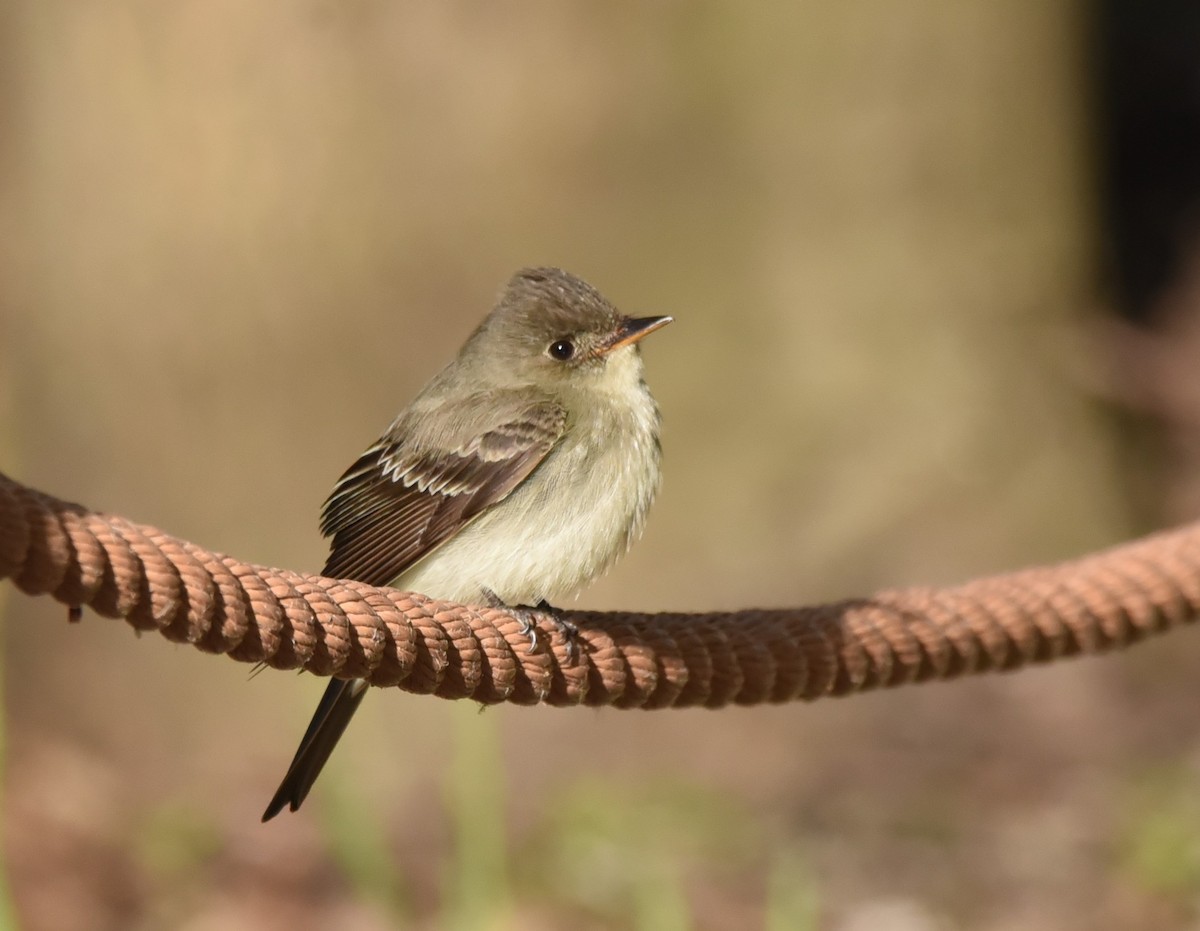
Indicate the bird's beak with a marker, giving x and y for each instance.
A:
(631, 330)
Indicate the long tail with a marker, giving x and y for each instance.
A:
(337, 707)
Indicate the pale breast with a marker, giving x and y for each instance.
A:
(564, 525)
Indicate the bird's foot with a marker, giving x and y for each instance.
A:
(527, 614)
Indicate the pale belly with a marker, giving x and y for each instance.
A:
(558, 530)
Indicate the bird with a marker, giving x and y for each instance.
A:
(519, 473)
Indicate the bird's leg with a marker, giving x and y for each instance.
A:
(525, 614)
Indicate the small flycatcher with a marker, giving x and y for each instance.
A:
(517, 475)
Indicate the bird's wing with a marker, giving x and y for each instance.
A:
(404, 497)
(401, 499)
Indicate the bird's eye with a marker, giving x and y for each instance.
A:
(561, 349)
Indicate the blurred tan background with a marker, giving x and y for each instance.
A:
(236, 238)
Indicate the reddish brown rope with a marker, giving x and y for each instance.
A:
(329, 627)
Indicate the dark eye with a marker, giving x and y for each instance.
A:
(561, 350)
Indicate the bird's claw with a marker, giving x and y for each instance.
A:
(528, 628)
(525, 614)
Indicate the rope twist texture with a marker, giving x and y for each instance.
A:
(288, 620)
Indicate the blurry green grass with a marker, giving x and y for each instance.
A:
(622, 852)
(357, 842)
(1159, 849)
(792, 900)
(476, 887)
(176, 845)
(616, 853)
(9, 461)
(7, 912)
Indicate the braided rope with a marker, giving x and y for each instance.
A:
(288, 620)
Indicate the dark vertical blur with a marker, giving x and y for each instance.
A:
(1148, 71)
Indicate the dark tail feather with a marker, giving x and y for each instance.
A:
(337, 707)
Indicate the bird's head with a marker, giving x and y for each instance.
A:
(550, 328)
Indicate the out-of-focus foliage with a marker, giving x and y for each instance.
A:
(235, 238)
